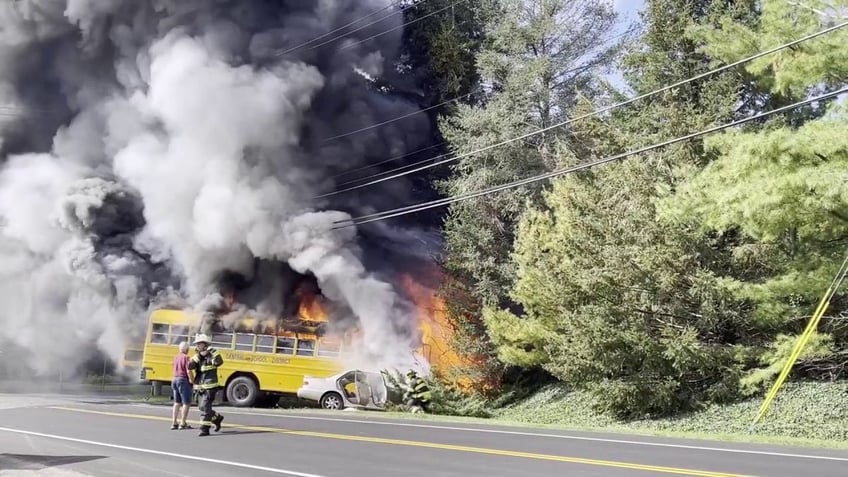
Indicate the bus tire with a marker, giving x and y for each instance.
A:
(332, 401)
(242, 391)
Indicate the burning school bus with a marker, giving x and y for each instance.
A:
(260, 359)
(263, 359)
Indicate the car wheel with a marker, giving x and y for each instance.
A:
(242, 392)
(332, 401)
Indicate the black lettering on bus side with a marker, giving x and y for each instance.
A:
(245, 357)
(255, 359)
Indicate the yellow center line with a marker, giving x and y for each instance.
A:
(431, 445)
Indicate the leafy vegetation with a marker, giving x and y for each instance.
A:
(802, 410)
(679, 279)
(534, 58)
(617, 302)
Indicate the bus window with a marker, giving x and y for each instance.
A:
(244, 341)
(330, 348)
(222, 340)
(285, 345)
(159, 334)
(305, 347)
(264, 344)
(179, 333)
(133, 355)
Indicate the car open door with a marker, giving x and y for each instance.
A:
(363, 389)
(379, 391)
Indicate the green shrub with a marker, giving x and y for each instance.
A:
(809, 410)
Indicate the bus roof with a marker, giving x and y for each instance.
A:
(244, 324)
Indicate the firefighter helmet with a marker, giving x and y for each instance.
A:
(201, 338)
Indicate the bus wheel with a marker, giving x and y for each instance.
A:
(333, 401)
(242, 391)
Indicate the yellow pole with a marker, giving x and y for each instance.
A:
(796, 352)
(803, 339)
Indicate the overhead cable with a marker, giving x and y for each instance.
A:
(447, 7)
(569, 170)
(578, 118)
(404, 116)
(285, 52)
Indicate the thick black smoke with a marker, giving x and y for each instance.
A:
(149, 146)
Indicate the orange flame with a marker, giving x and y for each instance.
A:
(311, 307)
(437, 332)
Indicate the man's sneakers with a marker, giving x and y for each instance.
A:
(204, 431)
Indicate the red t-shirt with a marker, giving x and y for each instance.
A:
(181, 366)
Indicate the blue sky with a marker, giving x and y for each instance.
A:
(629, 13)
(628, 8)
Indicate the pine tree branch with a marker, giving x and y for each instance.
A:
(838, 215)
(825, 15)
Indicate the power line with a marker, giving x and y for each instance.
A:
(453, 4)
(578, 118)
(389, 172)
(350, 45)
(392, 159)
(285, 52)
(404, 116)
(568, 170)
(393, 171)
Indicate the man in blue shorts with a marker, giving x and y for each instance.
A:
(182, 389)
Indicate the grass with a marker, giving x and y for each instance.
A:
(807, 414)
(803, 415)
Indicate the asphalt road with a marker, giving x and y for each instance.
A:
(73, 436)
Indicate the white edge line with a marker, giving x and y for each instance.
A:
(555, 436)
(169, 454)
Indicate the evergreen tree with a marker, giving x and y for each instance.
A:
(535, 57)
(778, 191)
(616, 301)
(441, 41)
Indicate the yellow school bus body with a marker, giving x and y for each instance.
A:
(255, 364)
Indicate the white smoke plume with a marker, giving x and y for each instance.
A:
(145, 147)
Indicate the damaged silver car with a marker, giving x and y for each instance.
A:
(350, 389)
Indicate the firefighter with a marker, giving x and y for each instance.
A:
(205, 364)
(417, 393)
